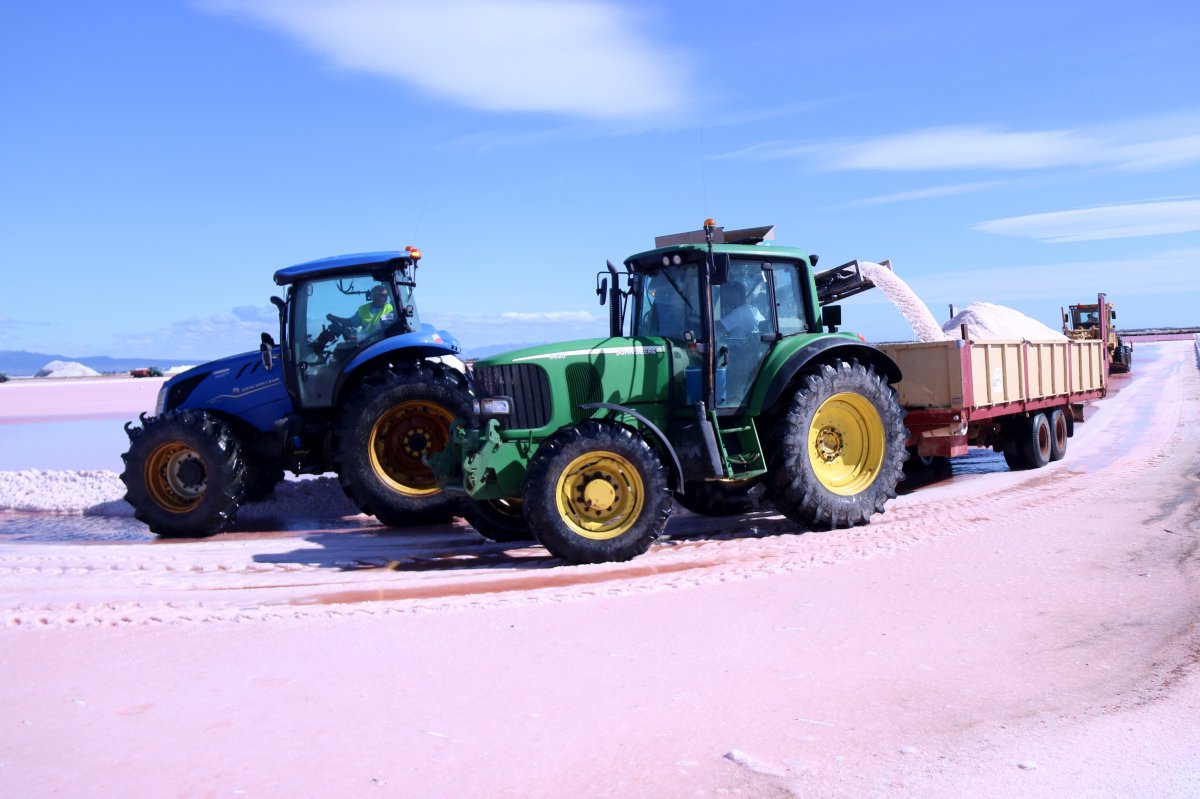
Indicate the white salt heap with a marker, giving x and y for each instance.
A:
(983, 319)
(66, 369)
(987, 321)
(915, 312)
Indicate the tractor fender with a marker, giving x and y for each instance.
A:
(426, 344)
(824, 350)
(676, 468)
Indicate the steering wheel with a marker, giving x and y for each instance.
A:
(337, 326)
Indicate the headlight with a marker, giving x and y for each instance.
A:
(495, 406)
(161, 404)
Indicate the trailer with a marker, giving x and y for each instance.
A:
(1021, 398)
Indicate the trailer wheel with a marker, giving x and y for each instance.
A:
(1038, 441)
(596, 492)
(1027, 442)
(721, 498)
(500, 520)
(1058, 434)
(183, 474)
(392, 421)
(837, 452)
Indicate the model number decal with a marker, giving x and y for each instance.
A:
(238, 393)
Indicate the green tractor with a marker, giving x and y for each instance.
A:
(732, 384)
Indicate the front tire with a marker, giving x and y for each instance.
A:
(184, 474)
(596, 492)
(838, 450)
(392, 421)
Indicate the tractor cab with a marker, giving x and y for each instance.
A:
(336, 309)
(734, 302)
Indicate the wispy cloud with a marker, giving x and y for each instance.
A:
(576, 57)
(928, 193)
(519, 327)
(203, 338)
(961, 147)
(1106, 222)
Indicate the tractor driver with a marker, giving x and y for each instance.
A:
(370, 316)
(739, 318)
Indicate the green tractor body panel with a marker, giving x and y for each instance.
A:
(552, 386)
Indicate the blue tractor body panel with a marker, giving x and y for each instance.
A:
(427, 343)
(236, 388)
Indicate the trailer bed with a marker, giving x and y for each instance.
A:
(957, 393)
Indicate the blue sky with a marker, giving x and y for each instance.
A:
(162, 159)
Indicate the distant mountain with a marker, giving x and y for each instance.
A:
(18, 363)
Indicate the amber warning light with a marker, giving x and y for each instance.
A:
(413, 252)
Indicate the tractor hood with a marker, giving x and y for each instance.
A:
(588, 349)
(238, 385)
(552, 385)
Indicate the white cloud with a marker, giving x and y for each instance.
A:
(550, 316)
(1107, 222)
(929, 192)
(205, 338)
(475, 330)
(575, 57)
(1132, 148)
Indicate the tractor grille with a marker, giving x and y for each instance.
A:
(524, 383)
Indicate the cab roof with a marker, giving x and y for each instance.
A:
(651, 259)
(351, 264)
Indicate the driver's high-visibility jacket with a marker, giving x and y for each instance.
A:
(368, 316)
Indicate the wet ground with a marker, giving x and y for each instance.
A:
(108, 529)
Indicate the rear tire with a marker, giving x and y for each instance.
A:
(596, 492)
(184, 474)
(838, 451)
(393, 420)
(499, 520)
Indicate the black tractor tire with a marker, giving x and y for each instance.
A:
(500, 520)
(1059, 433)
(596, 492)
(721, 498)
(389, 423)
(262, 475)
(837, 451)
(184, 474)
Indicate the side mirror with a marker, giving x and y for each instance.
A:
(720, 273)
(831, 317)
(266, 350)
(602, 290)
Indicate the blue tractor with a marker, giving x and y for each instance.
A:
(357, 385)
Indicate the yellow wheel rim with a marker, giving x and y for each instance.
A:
(600, 495)
(404, 435)
(846, 443)
(175, 477)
